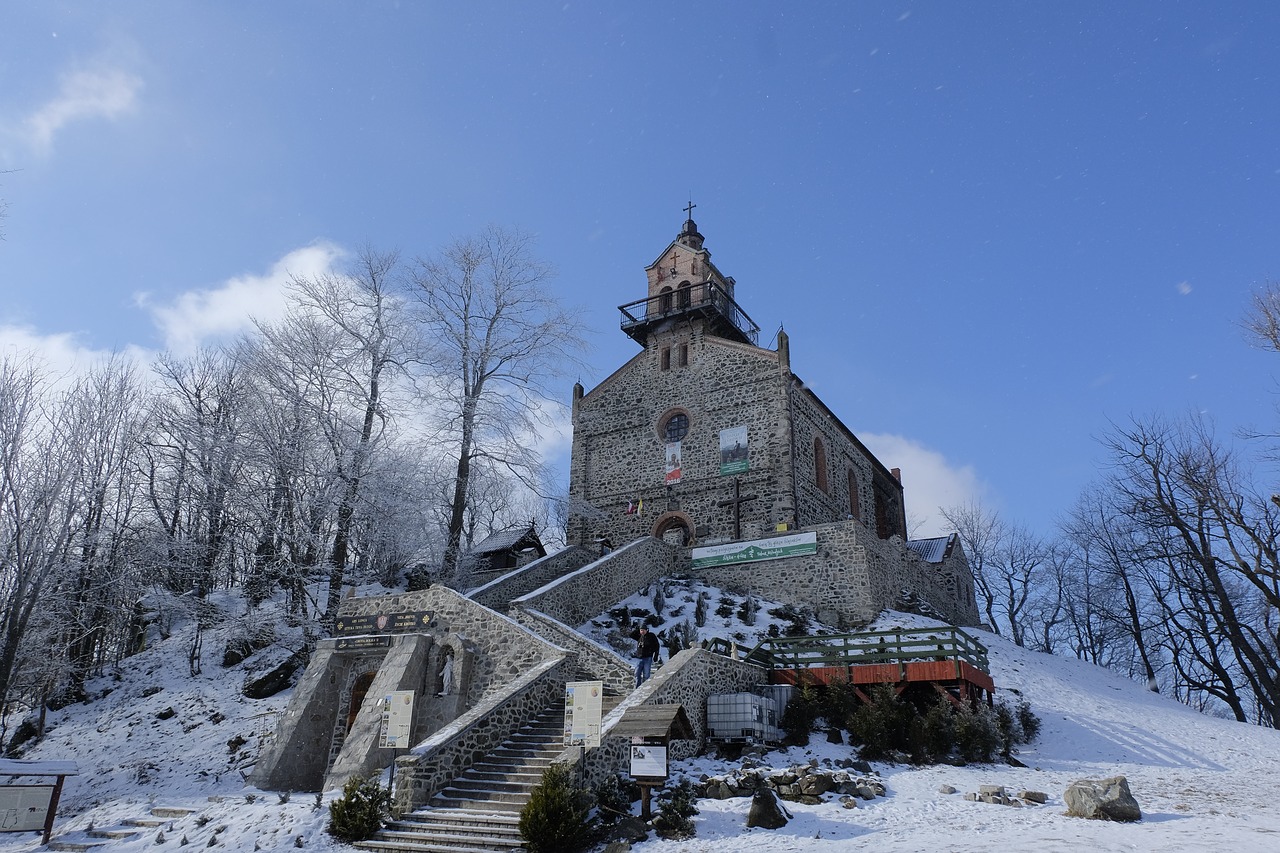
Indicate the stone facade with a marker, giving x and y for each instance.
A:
(322, 739)
(852, 577)
(652, 457)
(687, 679)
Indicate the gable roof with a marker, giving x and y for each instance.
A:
(507, 540)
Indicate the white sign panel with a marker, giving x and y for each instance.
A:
(583, 708)
(23, 808)
(397, 719)
(648, 761)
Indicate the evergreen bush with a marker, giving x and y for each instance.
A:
(977, 733)
(360, 811)
(555, 820)
(613, 799)
(882, 726)
(800, 715)
(675, 812)
(1029, 722)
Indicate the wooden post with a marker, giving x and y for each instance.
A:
(53, 809)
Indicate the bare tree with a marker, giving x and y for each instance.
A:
(498, 338)
(341, 345)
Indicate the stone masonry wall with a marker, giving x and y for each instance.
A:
(442, 757)
(588, 592)
(594, 662)
(844, 454)
(687, 679)
(850, 580)
(618, 452)
(497, 594)
(503, 649)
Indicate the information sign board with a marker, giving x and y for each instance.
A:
(397, 719)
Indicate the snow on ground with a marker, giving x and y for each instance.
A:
(1204, 784)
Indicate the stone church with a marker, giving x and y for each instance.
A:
(705, 437)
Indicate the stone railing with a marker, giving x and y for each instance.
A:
(497, 593)
(595, 662)
(588, 592)
(441, 758)
(687, 679)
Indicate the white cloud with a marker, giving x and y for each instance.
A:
(61, 356)
(928, 479)
(204, 316)
(102, 93)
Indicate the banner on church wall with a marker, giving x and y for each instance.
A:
(756, 551)
(733, 451)
(672, 463)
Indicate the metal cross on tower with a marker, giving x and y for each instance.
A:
(736, 502)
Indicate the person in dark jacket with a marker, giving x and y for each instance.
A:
(646, 652)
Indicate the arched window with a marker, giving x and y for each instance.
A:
(664, 300)
(683, 295)
(855, 509)
(820, 464)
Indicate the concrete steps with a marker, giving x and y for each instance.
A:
(480, 810)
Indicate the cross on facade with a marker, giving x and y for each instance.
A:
(736, 502)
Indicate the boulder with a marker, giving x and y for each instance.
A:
(1102, 799)
(767, 810)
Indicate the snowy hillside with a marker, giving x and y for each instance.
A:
(155, 736)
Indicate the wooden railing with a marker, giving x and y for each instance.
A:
(898, 646)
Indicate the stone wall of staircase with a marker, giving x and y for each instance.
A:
(687, 679)
(442, 757)
(497, 594)
(594, 661)
(586, 593)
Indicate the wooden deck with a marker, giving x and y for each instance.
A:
(947, 660)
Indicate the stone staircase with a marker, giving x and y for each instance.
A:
(480, 810)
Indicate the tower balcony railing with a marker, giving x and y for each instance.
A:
(706, 299)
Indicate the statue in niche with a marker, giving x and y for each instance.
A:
(446, 672)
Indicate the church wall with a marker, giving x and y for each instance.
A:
(619, 454)
(813, 505)
(852, 577)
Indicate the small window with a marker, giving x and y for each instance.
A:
(820, 464)
(664, 358)
(682, 356)
(675, 426)
(683, 295)
(855, 509)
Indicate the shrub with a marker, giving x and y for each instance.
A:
(977, 733)
(883, 725)
(555, 818)
(675, 812)
(939, 731)
(360, 811)
(1029, 722)
(800, 715)
(747, 611)
(700, 610)
(613, 798)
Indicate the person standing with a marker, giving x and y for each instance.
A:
(646, 652)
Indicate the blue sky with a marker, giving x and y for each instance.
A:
(989, 228)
